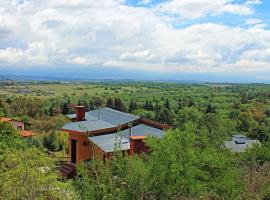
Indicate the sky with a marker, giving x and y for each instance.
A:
(208, 40)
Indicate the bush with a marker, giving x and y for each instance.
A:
(53, 142)
(53, 123)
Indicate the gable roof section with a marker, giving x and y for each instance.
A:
(143, 130)
(26, 133)
(109, 118)
(8, 119)
(109, 115)
(86, 126)
(5, 119)
(107, 142)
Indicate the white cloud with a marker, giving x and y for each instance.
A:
(252, 21)
(80, 61)
(253, 2)
(257, 23)
(144, 2)
(235, 9)
(109, 33)
(144, 55)
(192, 9)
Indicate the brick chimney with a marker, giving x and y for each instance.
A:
(80, 113)
(137, 145)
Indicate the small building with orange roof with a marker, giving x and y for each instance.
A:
(26, 133)
(18, 125)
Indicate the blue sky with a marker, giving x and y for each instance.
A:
(209, 40)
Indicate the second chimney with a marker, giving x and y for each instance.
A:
(137, 145)
(80, 113)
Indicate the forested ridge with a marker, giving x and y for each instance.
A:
(190, 162)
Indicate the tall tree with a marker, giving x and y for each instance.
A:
(167, 104)
(110, 103)
(119, 105)
(132, 106)
(28, 174)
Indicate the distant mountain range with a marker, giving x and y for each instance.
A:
(98, 74)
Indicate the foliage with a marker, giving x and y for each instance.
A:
(177, 168)
(256, 166)
(187, 164)
(144, 113)
(55, 141)
(28, 174)
(244, 106)
(9, 138)
(54, 123)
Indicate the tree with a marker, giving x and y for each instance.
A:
(188, 114)
(28, 175)
(244, 97)
(53, 142)
(26, 172)
(144, 113)
(32, 107)
(216, 127)
(157, 110)
(67, 108)
(9, 138)
(148, 106)
(2, 114)
(176, 168)
(165, 116)
(132, 106)
(110, 103)
(210, 108)
(97, 101)
(256, 166)
(247, 123)
(53, 123)
(119, 105)
(183, 170)
(167, 104)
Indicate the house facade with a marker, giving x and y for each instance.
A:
(100, 132)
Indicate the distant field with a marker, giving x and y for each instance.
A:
(60, 89)
(221, 94)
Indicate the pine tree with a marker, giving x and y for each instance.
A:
(167, 104)
(110, 103)
(119, 105)
(91, 105)
(132, 106)
(157, 110)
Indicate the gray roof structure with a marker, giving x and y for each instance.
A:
(86, 126)
(143, 130)
(107, 142)
(71, 116)
(240, 143)
(100, 119)
(111, 116)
